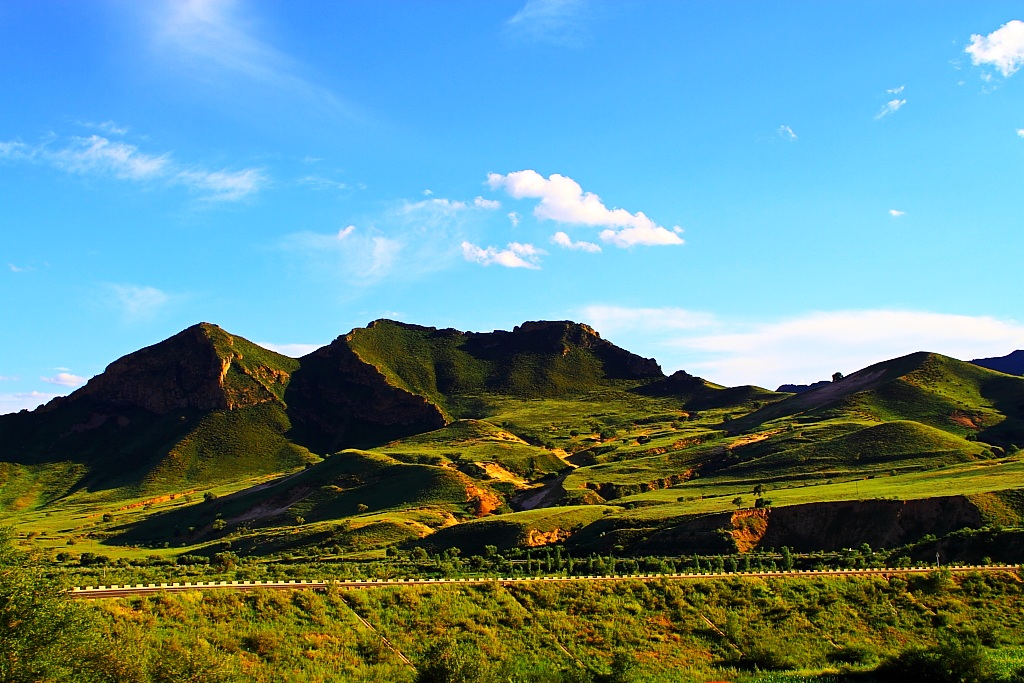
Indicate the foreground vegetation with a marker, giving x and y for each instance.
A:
(937, 626)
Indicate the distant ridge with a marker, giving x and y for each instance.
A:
(801, 388)
(1011, 364)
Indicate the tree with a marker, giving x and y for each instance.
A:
(737, 501)
(758, 489)
(44, 634)
(836, 376)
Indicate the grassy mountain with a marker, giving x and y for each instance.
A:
(543, 434)
(200, 407)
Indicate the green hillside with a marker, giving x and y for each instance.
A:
(546, 434)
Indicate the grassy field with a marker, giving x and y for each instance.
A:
(742, 630)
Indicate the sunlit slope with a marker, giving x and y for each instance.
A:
(929, 388)
(480, 449)
(536, 359)
(200, 407)
(350, 488)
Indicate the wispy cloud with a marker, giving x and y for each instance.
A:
(407, 240)
(65, 379)
(482, 203)
(516, 255)
(548, 21)
(224, 186)
(803, 348)
(97, 155)
(786, 133)
(4, 378)
(890, 108)
(896, 91)
(896, 213)
(139, 302)
(513, 218)
(18, 269)
(214, 41)
(321, 183)
(563, 240)
(1002, 49)
(563, 200)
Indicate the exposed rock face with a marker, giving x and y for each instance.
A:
(337, 400)
(821, 526)
(558, 338)
(184, 371)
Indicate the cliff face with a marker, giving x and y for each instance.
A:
(559, 338)
(819, 526)
(202, 368)
(337, 400)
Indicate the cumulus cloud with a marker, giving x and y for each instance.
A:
(482, 203)
(27, 400)
(97, 155)
(563, 240)
(65, 379)
(1020, 132)
(896, 213)
(1002, 49)
(291, 350)
(139, 302)
(552, 21)
(513, 218)
(890, 107)
(786, 133)
(563, 200)
(516, 255)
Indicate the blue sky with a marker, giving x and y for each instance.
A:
(756, 192)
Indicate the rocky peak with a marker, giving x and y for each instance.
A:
(202, 367)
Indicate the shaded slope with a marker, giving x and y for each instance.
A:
(1011, 364)
(162, 417)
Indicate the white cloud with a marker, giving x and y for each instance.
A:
(224, 186)
(563, 240)
(563, 200)
(889, 108)
(1002, 49)
(513, 218)
(321, 183)
(17, 269)
(98, 154)
(802, 348)
(787, 133)
(213, 41)
(553, 21)
(619, 319)
(489, 204)
(28, 400)
(896, 213)
(65, 379)
(1020, 132)
(515, 256)
(139, 302)
(291, 350)
(896, 91)
(427, 192)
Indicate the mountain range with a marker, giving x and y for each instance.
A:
(399, 434)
